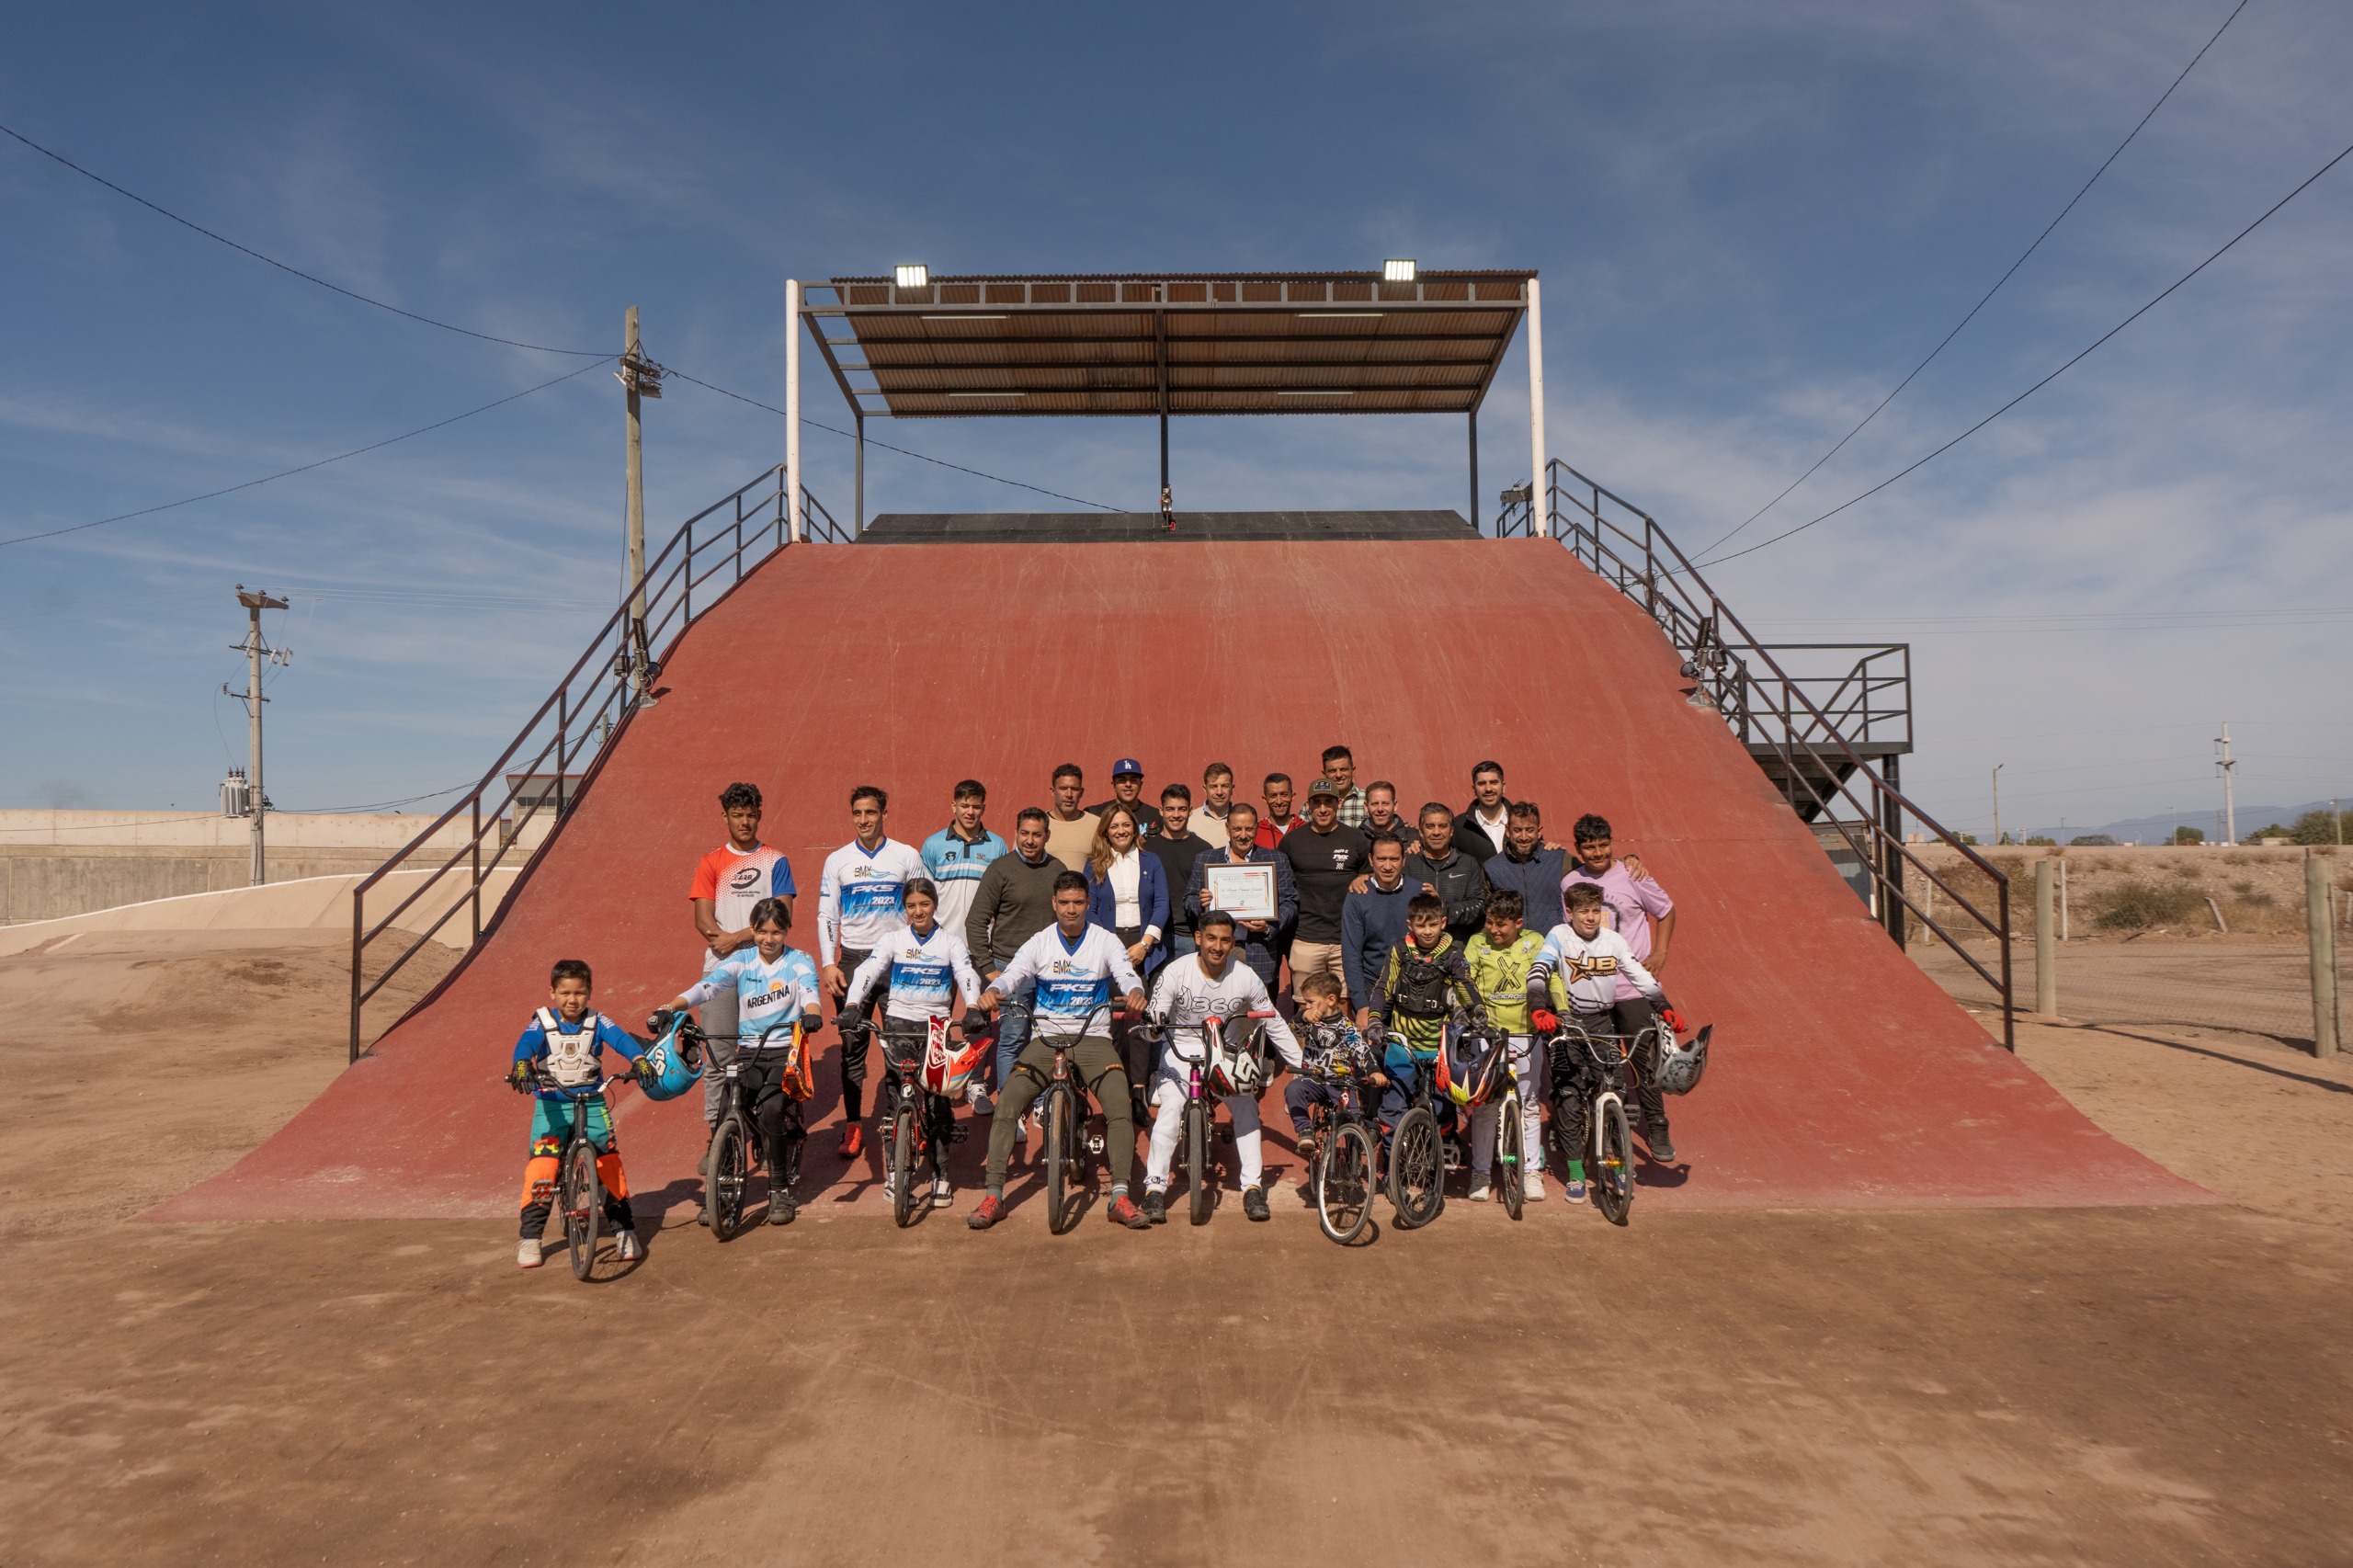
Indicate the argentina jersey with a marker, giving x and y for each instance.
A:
(769, 997)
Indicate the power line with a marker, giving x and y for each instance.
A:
(902, 451)
(285, 473)
(282, 267)
(1996, 289)
(467, 331)
(2079, 358)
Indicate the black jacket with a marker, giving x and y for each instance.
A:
(1177, 856)
(1461, 882)
(1466, 823)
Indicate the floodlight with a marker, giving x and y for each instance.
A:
(1398, 270)
(916, 275)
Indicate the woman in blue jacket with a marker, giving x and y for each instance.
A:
(1127, 894)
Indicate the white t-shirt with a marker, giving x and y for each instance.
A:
(1591, 969)
(862, 895)
(1184, 998)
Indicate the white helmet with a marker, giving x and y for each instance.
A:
(1679, 1067)
(1239, 1067)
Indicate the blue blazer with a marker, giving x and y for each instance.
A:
(1152, 897)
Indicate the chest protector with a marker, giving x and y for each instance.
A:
(1424, 989)
(572, 1058)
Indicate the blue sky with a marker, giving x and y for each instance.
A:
(1751, 221)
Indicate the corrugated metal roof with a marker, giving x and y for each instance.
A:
(1178, 343)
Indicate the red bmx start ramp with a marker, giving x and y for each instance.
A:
(1841, 1077)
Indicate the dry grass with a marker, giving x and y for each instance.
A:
(2129, 891)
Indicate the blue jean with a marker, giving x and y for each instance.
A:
(1011, 1034)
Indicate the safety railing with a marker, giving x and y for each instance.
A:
(559, 751)
(1813, 738)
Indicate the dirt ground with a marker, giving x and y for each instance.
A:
(2236, 984)
(2128, 1386)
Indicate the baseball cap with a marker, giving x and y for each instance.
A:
(1125, 767)
(1323, 786)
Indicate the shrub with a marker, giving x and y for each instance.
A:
(2136, 906)
(2091, 841)
(2316, 827)
(2189, 836)
(2042, 840)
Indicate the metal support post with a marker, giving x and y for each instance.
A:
(1474, 472)
(1892, 909)
(861, 472)
(475, 844)
(1540, 489)
(2046, 945)
(1164, 451)
(2319, 894)
(792, 485)
(356, 929)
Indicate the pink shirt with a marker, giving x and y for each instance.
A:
(1627, 901)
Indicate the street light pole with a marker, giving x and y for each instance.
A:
(255, 650)
(1998, 800)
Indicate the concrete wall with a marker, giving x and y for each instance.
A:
(59, 863)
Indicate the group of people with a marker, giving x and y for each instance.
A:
(1377, 919)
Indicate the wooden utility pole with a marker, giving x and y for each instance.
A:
(640, 377)
(255, 650)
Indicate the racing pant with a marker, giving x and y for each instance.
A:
(854, 1041)
(1095, 1063)
(1486, 1118)
(1168, 1097)
(1302, 1092)
(1632, 1018)
(776, 1114)
(551, 1120)
(1404, 1078)
(1573, 1105)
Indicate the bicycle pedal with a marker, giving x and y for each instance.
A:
(960, 1132)
(1095, 1143)
(543, 1192)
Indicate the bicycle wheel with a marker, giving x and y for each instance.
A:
(1511, 1156)
(1060, 1151)
(1416, 1169)
(1613, 1170)
(723, 1189)
(902, 1166)
(1344, 1182)
(583, 1197)
(1199, 1196)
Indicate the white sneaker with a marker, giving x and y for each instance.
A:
(980, 1101)
(527, 1255)
(631, 1248)
(1479, 1193)
(941, 1193)
(1534, 1182)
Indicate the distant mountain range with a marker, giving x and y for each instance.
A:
(2154, 830)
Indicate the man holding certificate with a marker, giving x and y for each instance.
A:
(1254, 885)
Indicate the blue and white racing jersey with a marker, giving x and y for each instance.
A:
(1073, 978)
(767, 995)
(955, 864)
(925, 974)
(862, 895)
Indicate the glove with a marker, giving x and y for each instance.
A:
(519, 1078)
(658, 1023)
(1546, 1020)
(645, 1072)
(1674, 1020)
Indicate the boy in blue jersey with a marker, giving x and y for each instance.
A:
(563, 1047)
(923, 967)
(776, 1006)
(861, 898)
(958, 855)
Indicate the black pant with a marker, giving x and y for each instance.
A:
(936, 1113)
(760, 1079)
(1572, 1105)
(855, 1041)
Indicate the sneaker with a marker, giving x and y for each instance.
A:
(1254, 1203)
(982, 1104)
(1307, 1148)
(1661, 1146)
(1123, 1211)
(631, 1248)
(853, 1141)
(1155, 1207)
(702, 1167)
(941, 1193)
(1573, 1190)
(987, 1213)
(782, 1208)
(1533, 1181)
(1479, 1193)
(527, 1256)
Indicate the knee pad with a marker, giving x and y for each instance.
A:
(538, 1180)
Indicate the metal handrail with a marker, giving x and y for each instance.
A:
(1745, 683)
(577, 727)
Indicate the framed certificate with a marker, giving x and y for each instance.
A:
(1247, 893)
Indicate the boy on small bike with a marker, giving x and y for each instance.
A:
(1425, 983)
(1329, 1045)
(1587, 958)
(1207, 984)
(925, 967)
(775, 1005)
(1500, 959)
(563, 1047)
(1071, 964)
